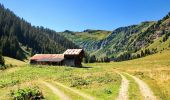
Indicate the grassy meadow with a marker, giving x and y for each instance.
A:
(98, 80)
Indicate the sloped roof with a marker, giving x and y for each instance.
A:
(51, 60)
(48, 57)
(72, 52)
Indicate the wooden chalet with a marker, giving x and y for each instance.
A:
(71, 57)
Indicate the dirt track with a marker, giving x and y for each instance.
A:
(123, 92)
(144, 88)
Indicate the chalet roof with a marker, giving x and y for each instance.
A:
(51, 60)
(72, 51)
(48, 57)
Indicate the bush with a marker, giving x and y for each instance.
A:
(77, 82)
(27, 94)
(108, 91)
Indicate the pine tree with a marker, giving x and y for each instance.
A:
(2, 61)
(92, 59)
(142, 54)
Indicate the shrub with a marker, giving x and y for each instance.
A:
(77, 82)
(108, 91)
(27, 94)
(8, 83)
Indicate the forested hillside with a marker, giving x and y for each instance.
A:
(126, 42)
(19, 38)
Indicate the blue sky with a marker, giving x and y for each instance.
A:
(78, 15)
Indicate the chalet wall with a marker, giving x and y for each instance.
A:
(69, 62)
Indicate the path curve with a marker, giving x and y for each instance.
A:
(76, 91)
(144, 88)
(123, 92)
(56, 91)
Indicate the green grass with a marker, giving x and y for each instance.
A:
(99, 81)
(13, 61)
(155, 71)
(99, 35)
(67, 76)
(103, 86)
(96, 35)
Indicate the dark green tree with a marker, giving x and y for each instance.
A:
(142, 53)
(2, 61)
(106, 59)
(92, 59)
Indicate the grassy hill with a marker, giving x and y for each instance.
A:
(98, 80)
(15, 62)
(86, 39)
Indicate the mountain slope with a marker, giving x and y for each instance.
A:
(19, 38)
(112, 43)
(86, 39)
(126, 42)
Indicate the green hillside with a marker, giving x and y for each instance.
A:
(86, 39)
(125, 42)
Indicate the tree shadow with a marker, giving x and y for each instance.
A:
(85, 67)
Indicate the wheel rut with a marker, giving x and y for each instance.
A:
(56, 91)
(123, 92)
(76, 92)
